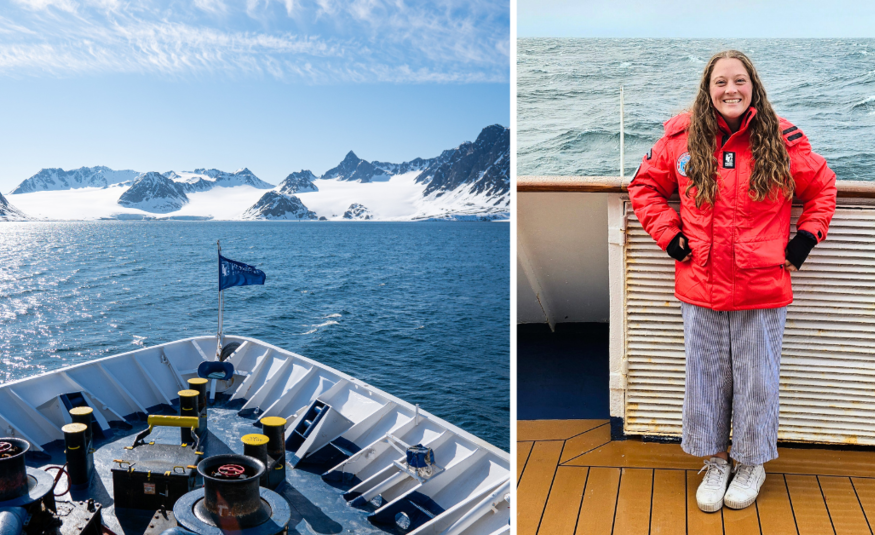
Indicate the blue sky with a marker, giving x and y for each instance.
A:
(275, 86)
(688, 19)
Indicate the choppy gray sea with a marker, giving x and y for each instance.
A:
(568, 106)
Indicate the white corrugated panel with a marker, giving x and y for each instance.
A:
(828, 361)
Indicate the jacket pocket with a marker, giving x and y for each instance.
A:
(701, 252)
(760, 254)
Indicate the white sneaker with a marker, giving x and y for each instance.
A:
(745, 486)
(713, 486)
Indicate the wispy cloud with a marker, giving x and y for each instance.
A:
(39, 5)
(211, 6)
(319, 41)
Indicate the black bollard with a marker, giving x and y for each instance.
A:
(188, 403)
(76, 448)
(274, 428)
(255, 446)
(84, 415)
(200, 385)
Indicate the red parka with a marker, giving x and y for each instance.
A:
(738, 244)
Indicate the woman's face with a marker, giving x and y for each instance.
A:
(731, 90)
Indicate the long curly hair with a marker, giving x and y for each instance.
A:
(771, 171)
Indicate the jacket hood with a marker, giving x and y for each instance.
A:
(677, 124)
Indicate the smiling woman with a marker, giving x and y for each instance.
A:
(732, 265)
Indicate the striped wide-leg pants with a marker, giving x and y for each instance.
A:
(733, 367)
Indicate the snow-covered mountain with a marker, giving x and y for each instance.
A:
(84, 177)
(154, 192)
(354, 169)
(417, 164)
(207, 179)
(9, 212)
(358, 211)
(469, 182)
(300, 182)
(484, 165)
(273, 205)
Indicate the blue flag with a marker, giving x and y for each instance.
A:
(233, 273)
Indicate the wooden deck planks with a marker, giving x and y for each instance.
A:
(554, 429)
(563, 505)
(843, 506)
(599, 501)
(823, 462)
(636, 454)
(808, 505)
(742, 521)
(586, 442)
(866, 493)
(668, 514)
(535, 485)
(773, 504)
(523, 450)
(698, 522)
(633, 502)
(585, 484)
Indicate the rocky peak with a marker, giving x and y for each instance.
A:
(484, 164)
(273, 205)
(154, 192)
(354, 169)
(345, 169)
(299, 182)
(358, 211)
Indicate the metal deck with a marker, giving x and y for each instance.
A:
(317, 507)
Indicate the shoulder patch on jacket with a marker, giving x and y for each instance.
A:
(791, 133)
(677, 124)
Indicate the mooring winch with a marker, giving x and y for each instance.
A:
(232, 500)
(27, 500)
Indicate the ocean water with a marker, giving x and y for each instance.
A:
(420, 310)
(568, 105)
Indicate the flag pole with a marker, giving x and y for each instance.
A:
(220, 334)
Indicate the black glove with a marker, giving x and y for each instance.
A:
(799, 247)
(675, 250)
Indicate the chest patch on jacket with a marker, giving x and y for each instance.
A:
(683, 160)
(728, 160)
